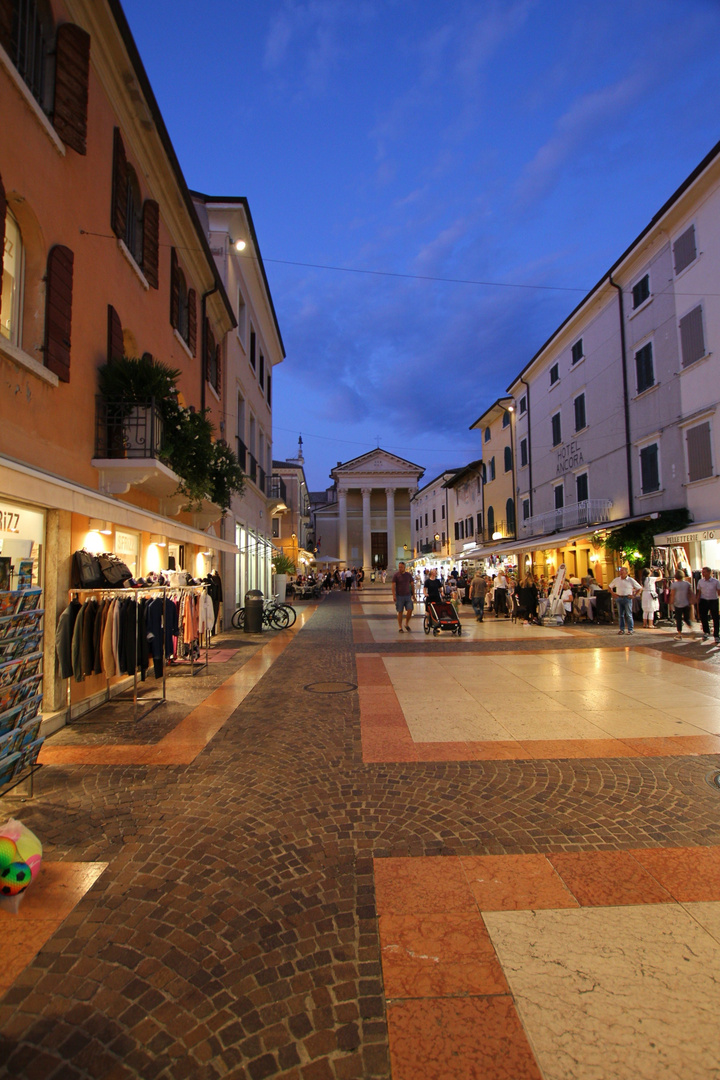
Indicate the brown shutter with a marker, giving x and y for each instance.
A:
(151, 241)
(218, 368)
(692, 338)
(58, 311)
(192, 321)
(115, 347)
(6, 24)
(72, 71)
(174, 290)
(3, 211)
(119, 188)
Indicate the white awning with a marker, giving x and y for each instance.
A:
(708, 530)
(31, 485)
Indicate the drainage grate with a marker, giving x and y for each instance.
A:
(713, 779)
(330, 687)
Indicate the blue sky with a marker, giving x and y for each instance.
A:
(513, 142)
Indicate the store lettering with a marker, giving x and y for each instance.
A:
(569, 457)
(9, 522)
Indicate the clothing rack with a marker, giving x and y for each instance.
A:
(195, 668)
(151, 702)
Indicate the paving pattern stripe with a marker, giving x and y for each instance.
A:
(439, 962)
(192, 734)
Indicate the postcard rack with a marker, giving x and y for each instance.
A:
(21, 662)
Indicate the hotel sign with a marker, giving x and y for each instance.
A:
(569, 457)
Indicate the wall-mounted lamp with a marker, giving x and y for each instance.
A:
(239, 245)
(497, 536)
(97, 525)
(161, 541)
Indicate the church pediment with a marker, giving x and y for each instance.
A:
(377, 463)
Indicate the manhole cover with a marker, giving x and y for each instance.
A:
(713, 779)
(330, 687)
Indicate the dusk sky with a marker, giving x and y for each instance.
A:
(516, 146)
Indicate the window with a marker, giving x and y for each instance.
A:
(556, 430)
(580, 420)
(487, 434)
(506, 419)
(641, 291)
(433, 515)
(276, 528)
(483, 472)
(699, 451)
(523, 404)
(559, 493)
(133, 216)
(183, 306)
(684, 249)
(479, 522)
(492, 468)
(510, 516)
(577, 351)
(554, 374)
(526, 509)
(490, 520)
(182, 315)
(253, 348)
(442, 513)
(426, 520)
(261, 372)
(581, 487)
(523, 453)
(136, 223)
(442, 538)
(650, 468)
(508, 459)
(468, 526)
(242, 319)
(28, 39)
(644, 367)
(692, 337)
(461, 527)
(269, 390)
(12, 282)
(457, 530)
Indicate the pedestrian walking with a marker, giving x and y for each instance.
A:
(402, 594)
(682, 597)
(478, 588)
(624, 588)
(501, 587)
(708, 591)
(433, 589)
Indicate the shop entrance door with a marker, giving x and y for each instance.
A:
(379, 551)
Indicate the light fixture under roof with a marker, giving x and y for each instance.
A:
(156, 538)
(239, 245)
(97, 525)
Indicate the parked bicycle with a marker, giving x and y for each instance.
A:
(274, 615)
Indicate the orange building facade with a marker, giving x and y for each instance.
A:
(103, 256)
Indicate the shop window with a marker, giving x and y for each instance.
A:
(12, 278)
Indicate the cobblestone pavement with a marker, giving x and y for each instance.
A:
(235, 931)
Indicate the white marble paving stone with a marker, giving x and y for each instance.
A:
(615, 993)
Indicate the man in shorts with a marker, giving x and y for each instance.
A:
(402, 594)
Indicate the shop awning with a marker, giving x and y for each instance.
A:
(707, 530)
(31, 485)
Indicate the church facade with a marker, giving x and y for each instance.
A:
(367, 522)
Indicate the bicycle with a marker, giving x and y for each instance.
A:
(274, 615)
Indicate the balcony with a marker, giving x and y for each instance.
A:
(128, 444)
(590, 512)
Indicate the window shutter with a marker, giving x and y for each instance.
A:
(115, 346)
(192, 321)
(6, 22)
(119, 189)
(692, 338)
(218, 368)
(174, 289)
(3, 211)
(72, 71)
(650, 468)
(58, 311)
(684, 250)
(151, 241)
(269, 390)
(699, 449)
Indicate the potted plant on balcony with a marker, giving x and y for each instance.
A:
(137, 393)
(282, 565)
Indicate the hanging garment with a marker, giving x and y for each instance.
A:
(97, 637)
(171, 627)
(88, 649)
(153, 620)
(116, 634)
(108, 655)
(77, 641)
(64, 637)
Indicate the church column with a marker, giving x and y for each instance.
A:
(366, 530)
(342, 527)
(391, 547)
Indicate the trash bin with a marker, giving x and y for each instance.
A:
(253, 611)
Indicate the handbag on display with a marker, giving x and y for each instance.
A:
(86, 571)
(114, 571)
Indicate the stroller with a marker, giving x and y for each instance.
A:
(441, 616)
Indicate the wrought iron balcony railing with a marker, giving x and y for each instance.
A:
(123, 430)
(589, 512)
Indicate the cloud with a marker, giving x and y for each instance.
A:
(585, 116)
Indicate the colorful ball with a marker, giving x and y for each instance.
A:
(15, 878)
(27, 844)
(8, 852)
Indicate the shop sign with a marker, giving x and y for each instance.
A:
(9, 521)
(692, 537)
(569, 457)
(17, 521)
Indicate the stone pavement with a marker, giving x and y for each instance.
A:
(353, 853)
